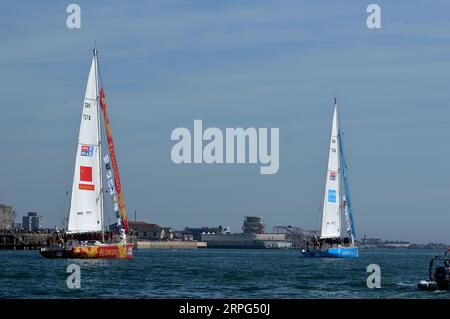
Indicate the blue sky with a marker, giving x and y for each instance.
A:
(232, 64)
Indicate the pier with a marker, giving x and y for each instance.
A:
(22, 241)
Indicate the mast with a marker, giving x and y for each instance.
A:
(339, 172)
(99, 132)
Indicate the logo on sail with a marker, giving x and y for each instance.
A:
(86, 187)
(86, 176)
(332, 195)
(85, 173)
(112, 189)
(332, 176)
(87, 150)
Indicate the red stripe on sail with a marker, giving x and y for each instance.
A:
(87, 187)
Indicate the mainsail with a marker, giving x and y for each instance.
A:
(331, 216)
(86, 205)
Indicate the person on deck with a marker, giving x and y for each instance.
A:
(447, 265)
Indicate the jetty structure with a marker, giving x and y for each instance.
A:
(14, 240)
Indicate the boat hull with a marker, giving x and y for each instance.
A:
(335, 252)
(428, 286)
(110, 251)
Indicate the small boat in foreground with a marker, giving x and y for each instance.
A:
(85, 235)
(331, 243)
(439, 276)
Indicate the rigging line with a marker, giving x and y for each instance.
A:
(65, 207)
(341, 187)
(99, 73)
(347, 179)
(107, 200)
(347, 185)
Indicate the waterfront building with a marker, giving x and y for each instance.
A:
(253, 225)
(6, 217)
(17, 226)
(252, 236)
(182, 235)
(255, 241)
(146, 231)
(32, 222)
(197, 232)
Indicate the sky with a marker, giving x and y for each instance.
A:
(262, 64)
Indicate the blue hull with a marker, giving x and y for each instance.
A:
(338, 252)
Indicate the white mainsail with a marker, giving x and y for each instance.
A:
(86, 205)
(331, 215)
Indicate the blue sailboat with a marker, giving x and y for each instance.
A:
(336, 205)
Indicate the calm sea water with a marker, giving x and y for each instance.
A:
(209, 273)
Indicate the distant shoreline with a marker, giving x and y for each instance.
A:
(430, 246)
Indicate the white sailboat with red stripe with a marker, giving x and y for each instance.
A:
(85, 234)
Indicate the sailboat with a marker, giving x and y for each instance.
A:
(336, 204)
(85, 234)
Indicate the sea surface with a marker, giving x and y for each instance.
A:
(218, 273)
